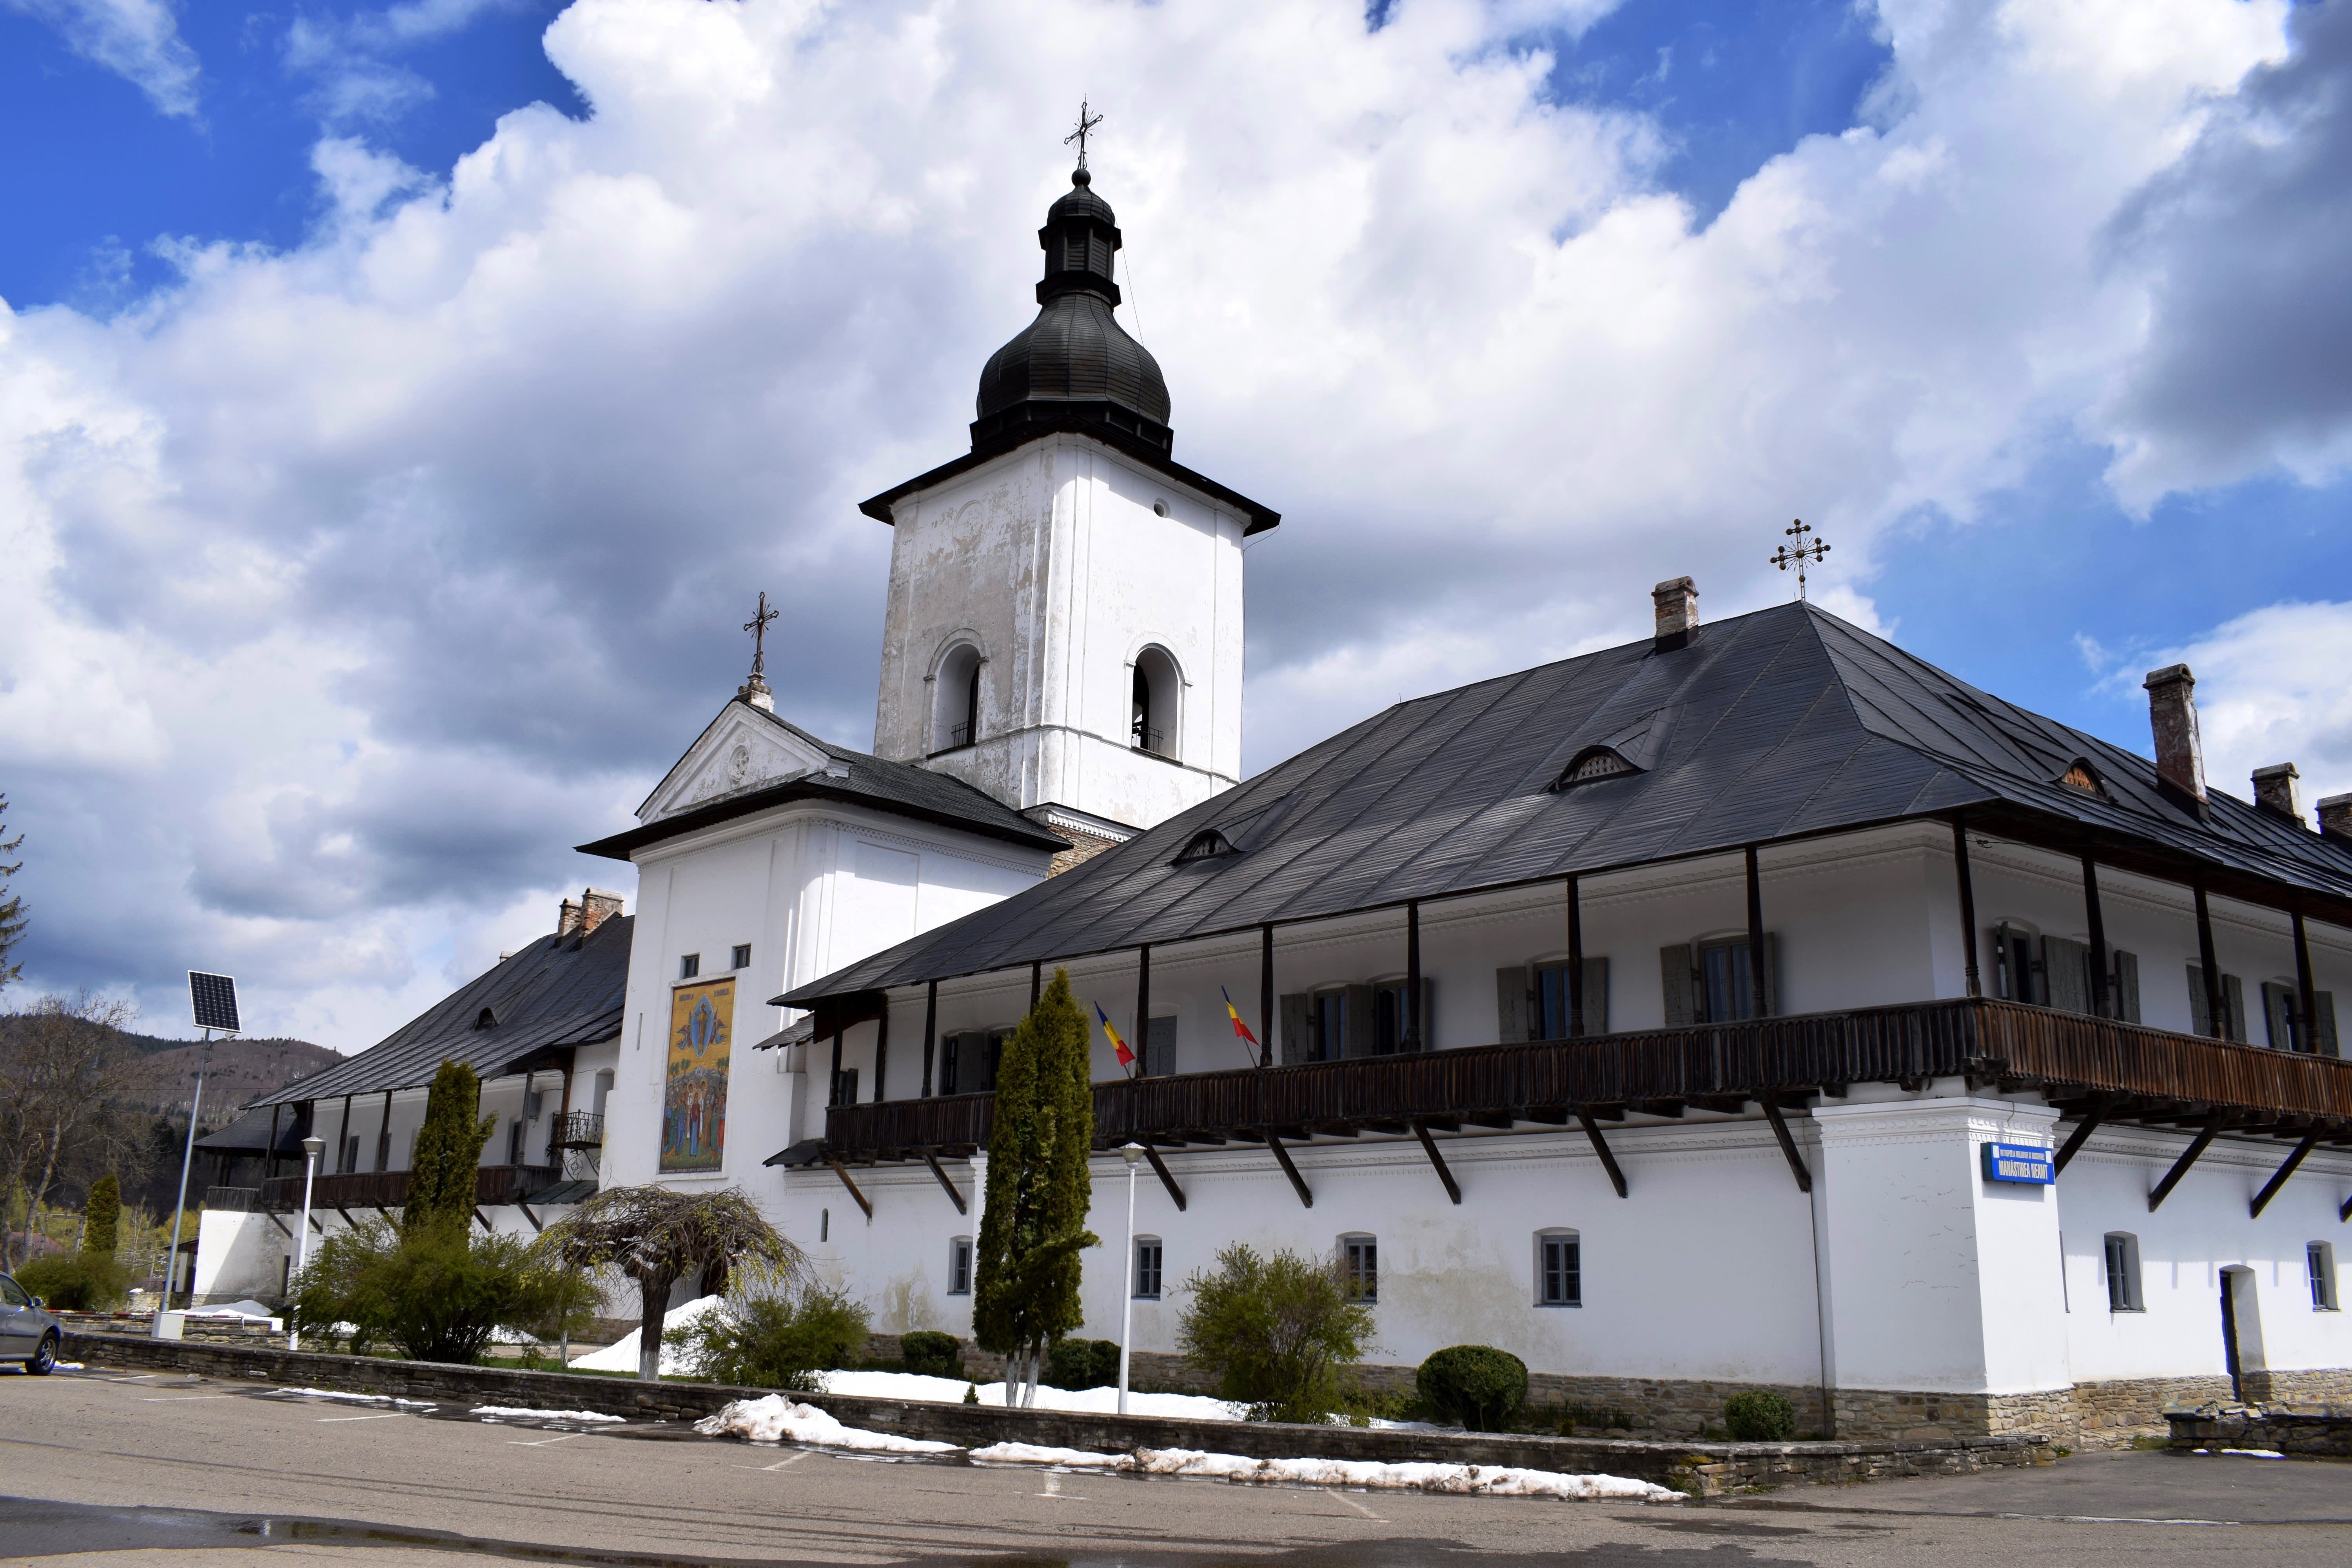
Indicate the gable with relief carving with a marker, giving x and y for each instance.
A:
(738, 753)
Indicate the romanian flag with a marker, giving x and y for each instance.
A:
(1126, 1056)
(1240, 1028)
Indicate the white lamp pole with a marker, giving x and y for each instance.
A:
(312, 1149)
(1132, 1154)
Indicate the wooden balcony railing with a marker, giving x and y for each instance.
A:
(493, 1185)
(2065, 1055)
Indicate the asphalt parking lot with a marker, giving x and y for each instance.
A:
(181, 1471)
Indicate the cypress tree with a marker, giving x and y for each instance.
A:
(448, 1150)
(103, 1216)
(1025, 1284)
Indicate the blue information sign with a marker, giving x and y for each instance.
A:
(2019, 1162)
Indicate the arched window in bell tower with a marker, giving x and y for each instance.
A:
(955, 698)
(1158, 684)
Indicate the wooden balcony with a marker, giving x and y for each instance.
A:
(493, 1185)
(2088, 1067)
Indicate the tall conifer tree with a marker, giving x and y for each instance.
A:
(102, 1217)
(448, 1151)
(1025, 1285)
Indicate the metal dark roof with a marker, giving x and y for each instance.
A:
(1778, 725)
(901, 788)
(249, 1134)
(556, 994)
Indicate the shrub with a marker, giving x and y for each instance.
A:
(103, 1216)
(1274, 1331)
(1477, 1387)
(1083, 1363)
(778, 1339)
(434, 1293)
(448, 1152)
(75, 1281)
(931, 1353)
(1759, 1416)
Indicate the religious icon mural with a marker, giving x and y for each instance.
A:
(694, 1095)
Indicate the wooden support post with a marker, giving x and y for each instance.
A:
(1264, 998)
(1160, 1169)
(845, 1182)
(383, 1136)
(2307, 998)
(1969, 937)
(1575, 961)
(343, 1138)
(1298, 1181)
(1755, 937)
(1787, 1145)
(832, 1083)
(1409, 1036)
(931, 1032)
(2100, 1005)
(1600, 1148)
(933, 1162)
(535, 1226)
(2217, 1005)
(1036, 981)
(2270, 1188)
(269, 1155)
(1429, 1147)
(2213, 1125)
(882, 1049)
(483, 1217)
(2344, 1212)
(2083, 1129)
(1143, 1010)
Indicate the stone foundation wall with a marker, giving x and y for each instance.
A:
(2308, 1431)
(2332, 1386)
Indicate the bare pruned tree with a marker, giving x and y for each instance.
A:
(64, 1071)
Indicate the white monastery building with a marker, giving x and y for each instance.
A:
(1754, 1005)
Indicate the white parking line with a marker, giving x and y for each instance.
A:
(387, 1415)
(177, 1399)
(543, 1442)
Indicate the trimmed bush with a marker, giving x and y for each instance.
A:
(779, 1339)
(75, 1281)
(931, 1353)
(1273, 1332)
(1083, 1363)
(103, 1216)
(1759, 1416)
(1477, 1385)
(437, 1293)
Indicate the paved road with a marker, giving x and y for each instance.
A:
(184, 1473)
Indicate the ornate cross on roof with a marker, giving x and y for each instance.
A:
(1785, 557)
(1085, 125)
(757, 627)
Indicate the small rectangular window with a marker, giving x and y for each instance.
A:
(1146, 1268)
(1330, 1027)
(2319, 1262)
(1360, 1264)
(1560, 1273)
(689, 966)
(844, 1088)
(743, 955)
(2123, 1272)
(959, 1266)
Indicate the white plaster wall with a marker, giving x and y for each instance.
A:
(238, 1255)
(1054, 561)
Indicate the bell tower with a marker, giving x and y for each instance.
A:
(1065, 622)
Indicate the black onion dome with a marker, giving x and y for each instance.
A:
(1074, 364)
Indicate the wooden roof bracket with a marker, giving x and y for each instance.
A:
(483, 1217)
(853, 1193)
(1600, 1148)
(279, 1223)
(1160, 1169)
(932, 1161)
(2213, 1124)
(2085, 1128)
(1437, 1161)
(1298, 1181)
(2270, 1188)
(1788, 1144)
(536, 1228)
(2344, 1213)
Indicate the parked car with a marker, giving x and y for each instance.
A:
(28, 1334)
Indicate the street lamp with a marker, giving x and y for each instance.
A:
(312, 1148)
(1132, 1154)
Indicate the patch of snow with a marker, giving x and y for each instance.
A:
(2252, 1453)
(67, 1365)
(356, 1398)
(622, 1356)
(1090, 1401)
(514, 1412)
(1472, 1480)
(776, 1419)
(246, 1309)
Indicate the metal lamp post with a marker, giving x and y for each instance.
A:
(312, 1148)
(1132, 1154)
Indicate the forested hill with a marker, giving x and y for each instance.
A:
(240, 1070)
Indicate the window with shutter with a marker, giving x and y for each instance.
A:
(2018, 975)
(1679, 984)
(2324, 1022)
(1511, 1004)
(2066, 972)
(2278, 1016)
(2123, 1272)
(1159, 1047)
(1550, 1013)
(1356, 1037)
(2233, 1004)
(2200, 1002)
(2125, 989)
(1297, 1028)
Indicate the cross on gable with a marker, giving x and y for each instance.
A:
(1785, 557)
(1085, 125)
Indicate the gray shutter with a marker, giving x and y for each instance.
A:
(2066, 970)
(1428, 1013)
(2278, 1011)
(2200, 1005)
(2126, 986)
(1596, 996)
(1511, 1004)
(1772, 975)
(2233, 1003)
(1159, 1047)
(1674, 978)
(2323, 1003)
(1297, 1028)
(1362, 1008)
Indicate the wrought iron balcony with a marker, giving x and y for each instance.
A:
(493, 1185)
(577, 1130)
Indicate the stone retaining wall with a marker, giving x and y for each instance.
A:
(1702, 1468)
(2312, 1431)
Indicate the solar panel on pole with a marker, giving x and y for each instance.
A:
(214, 997)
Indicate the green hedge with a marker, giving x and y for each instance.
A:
(1082, 1364)
(931, 1353)
(1477, 1385)
(1759, 1416)
(75, 1281)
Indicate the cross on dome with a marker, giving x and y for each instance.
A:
(1785, 557)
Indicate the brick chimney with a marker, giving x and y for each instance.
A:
(2275, 791)
(567, 920)
(2172, 715)
(2336, 816)
(1677, 603)
(597, 906)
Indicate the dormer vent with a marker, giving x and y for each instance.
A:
(2080, 774)
(486, 1019)
(1205, 845)
(1591, 764)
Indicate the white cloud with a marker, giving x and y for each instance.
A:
(366, 576)
(2271, 689)
(139, 40)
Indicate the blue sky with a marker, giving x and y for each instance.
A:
(484, 469)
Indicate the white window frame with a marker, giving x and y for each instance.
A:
(689, 966)
(742, 957)
(2319, 1268)
(2123, 1287)
(1359, 1261)
(1544, 1239)
(1158, 1267)
(959, 1265)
